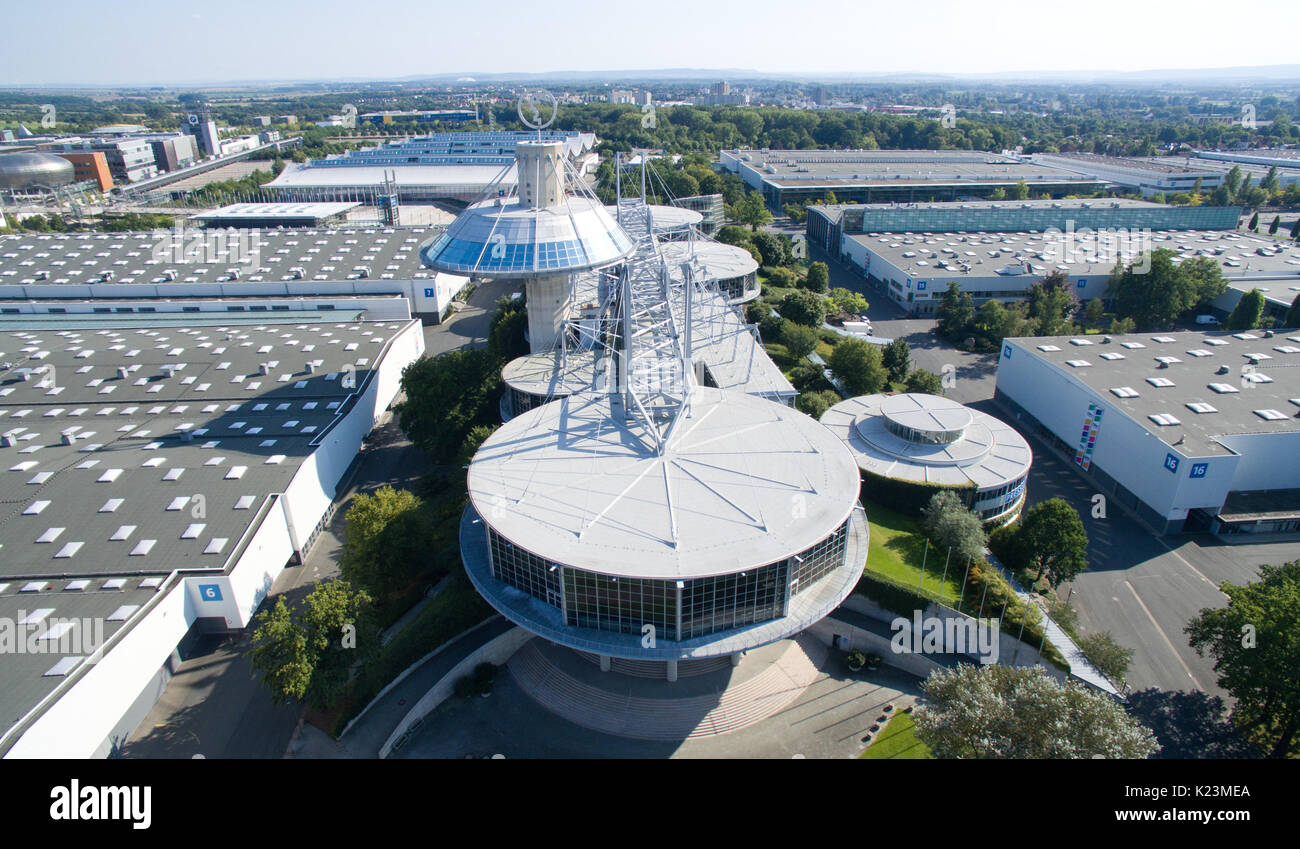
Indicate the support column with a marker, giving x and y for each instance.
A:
(735, 658)
(672, 670)
(550, 301)
(604, 663)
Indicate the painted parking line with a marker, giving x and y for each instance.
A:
(1164, 636)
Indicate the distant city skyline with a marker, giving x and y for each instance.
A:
(151, 42)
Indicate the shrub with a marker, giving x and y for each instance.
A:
(798, 339)
(858, 366)
(803, 308)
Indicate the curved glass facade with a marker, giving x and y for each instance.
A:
(678, 610)
(923, 437)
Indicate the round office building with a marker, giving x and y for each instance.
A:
(911, 445)
(741, 531)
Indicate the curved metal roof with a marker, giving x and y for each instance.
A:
(988, 454)
(32, 169)
(745, 482)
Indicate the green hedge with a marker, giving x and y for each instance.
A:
(904, 600)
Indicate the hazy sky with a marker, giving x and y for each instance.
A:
(151, 41)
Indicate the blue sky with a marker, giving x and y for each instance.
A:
(112, 42)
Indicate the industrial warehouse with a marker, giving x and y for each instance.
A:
(905, 176)
(158, 476)
(377, 269)
(999, 249)
(439, 167)
(1189, 430)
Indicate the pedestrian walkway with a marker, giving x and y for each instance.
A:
(1080, 666)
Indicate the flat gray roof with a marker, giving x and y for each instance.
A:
(1151, 165)
(814, 169)
(920, 254)
(143, 256)
(129, 471)
(835, 211)
(1130, 365)
(26, 678)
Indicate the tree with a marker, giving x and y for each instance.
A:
(281, 654)
(1272, 227)
(1232, 180)
(1253, 643)
(785, 278)
(1153, 297)
(1248, 311)
(803, 307)
(773, 249)
(955, 315)
(1051, 542)
(1110, 658)
(924, 381)
(1205, 278)
(1295, 230)
(1292, 318)
(752, 210)
(816, 403)
(1020, 191)
(1253, 226)
(340, 631)
(1000, 712)
(1052, 304)
(506, 332)
(446, 396)
(818, 279)
(857, 365)
(800, 340)
(1094, 311)
(846, 300)
(897, 358)
(1120, 326)
(948, 524)
(385, 540)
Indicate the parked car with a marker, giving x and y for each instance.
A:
(1206, 319)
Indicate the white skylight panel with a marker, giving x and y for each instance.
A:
(123, 533)
(142, 548)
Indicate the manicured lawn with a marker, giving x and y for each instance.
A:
(897, 740)
(897, 549)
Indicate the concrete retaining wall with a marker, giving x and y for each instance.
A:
(496, 651)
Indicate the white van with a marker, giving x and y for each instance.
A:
(1206, 319)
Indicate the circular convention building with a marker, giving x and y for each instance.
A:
(911, 445)
(733, 269)
(742, 530)
(536, 379)
(670, 223)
